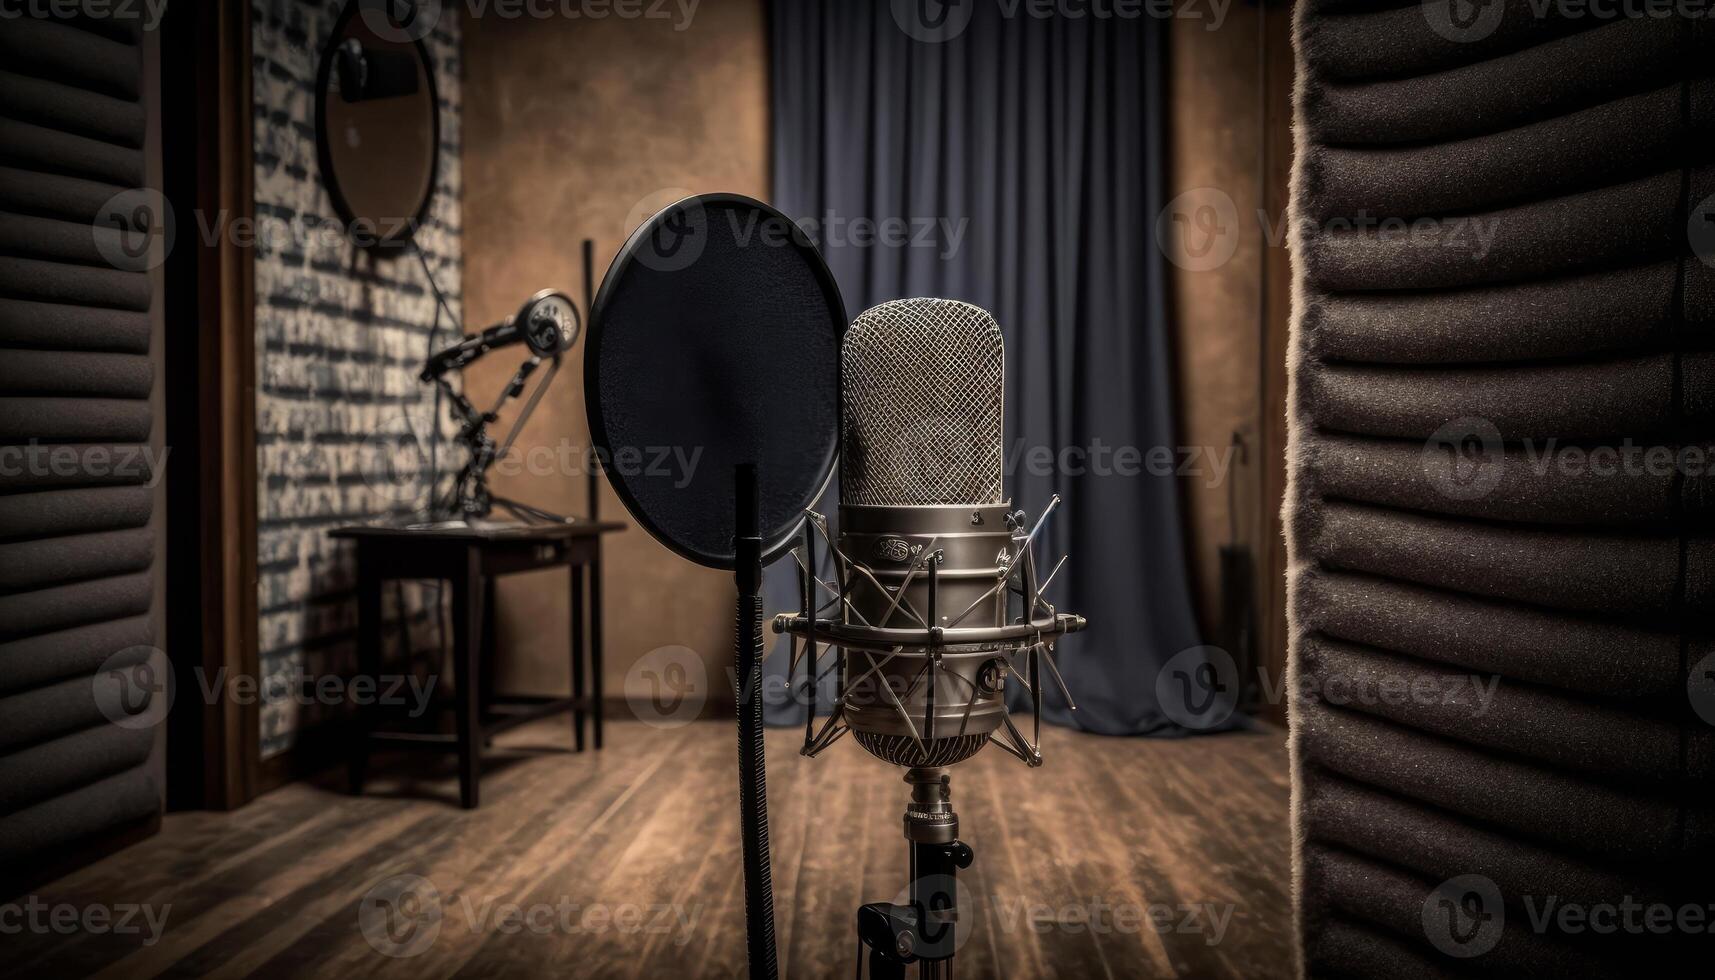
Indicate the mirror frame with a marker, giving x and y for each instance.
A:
(405, 234)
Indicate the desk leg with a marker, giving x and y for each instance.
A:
(487, 659)
(595, 640)
(368, 665)
(468, 593)
(577, 645)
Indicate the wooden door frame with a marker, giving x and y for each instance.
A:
(213, 739)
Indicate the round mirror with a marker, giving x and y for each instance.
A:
(377, 129)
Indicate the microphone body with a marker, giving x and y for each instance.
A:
(548, 322)
(953, 716)
(930, 555)
(923, 392)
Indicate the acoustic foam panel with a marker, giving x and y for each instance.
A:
(77, 561)
(1491, 647)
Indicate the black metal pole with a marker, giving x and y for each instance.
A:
(593, 492)
(752, 776)
(810, 597)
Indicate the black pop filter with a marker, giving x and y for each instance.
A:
(714, 348)
(715, 342)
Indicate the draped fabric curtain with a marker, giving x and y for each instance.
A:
(1014, 163)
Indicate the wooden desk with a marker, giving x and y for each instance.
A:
(470, 558)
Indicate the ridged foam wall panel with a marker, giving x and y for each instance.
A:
(77, 553)
(1501, 598)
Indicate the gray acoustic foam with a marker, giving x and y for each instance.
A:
(1495, 645)
(77, 561)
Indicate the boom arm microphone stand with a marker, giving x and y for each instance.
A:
(549, 324)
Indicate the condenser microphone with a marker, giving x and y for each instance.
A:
(923, 400)
(929, 560)
(930, 555)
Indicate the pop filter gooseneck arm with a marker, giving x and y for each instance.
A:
(752, 773)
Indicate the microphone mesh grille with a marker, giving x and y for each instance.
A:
(922, 396)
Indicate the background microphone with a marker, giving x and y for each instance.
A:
(923, 394)
(548, 322)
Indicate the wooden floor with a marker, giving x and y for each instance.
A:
(626, 863)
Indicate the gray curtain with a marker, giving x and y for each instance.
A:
(1017, 166)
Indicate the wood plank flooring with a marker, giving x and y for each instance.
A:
(1119, 858)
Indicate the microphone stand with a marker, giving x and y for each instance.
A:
(923, 931)
(470, 496)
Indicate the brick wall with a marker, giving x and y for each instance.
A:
(340, 335)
